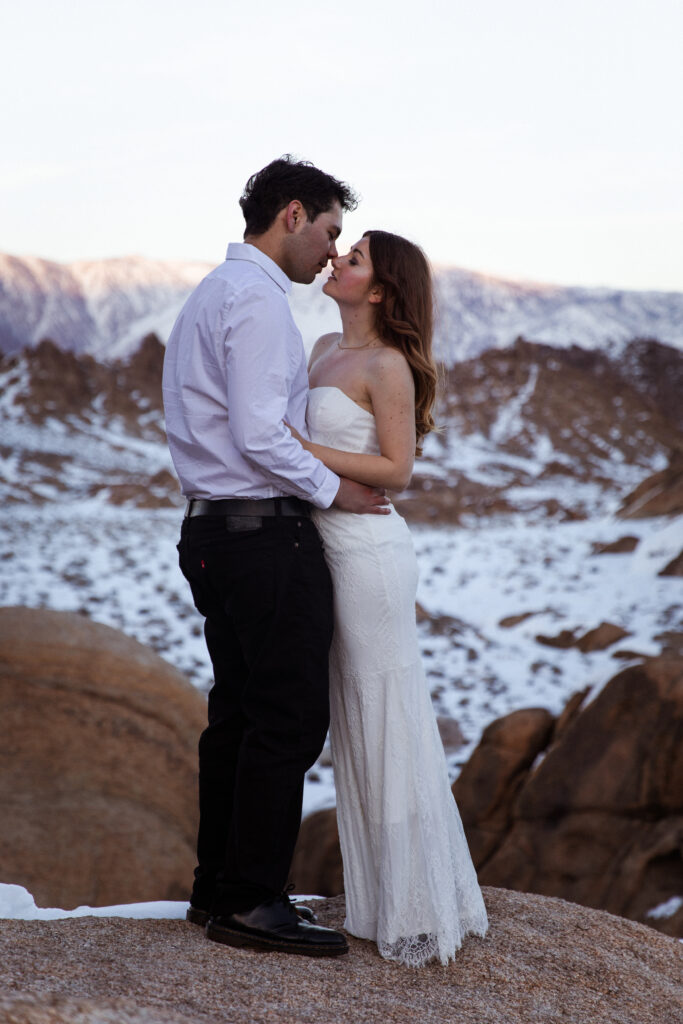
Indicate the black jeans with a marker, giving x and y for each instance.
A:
(266, 594)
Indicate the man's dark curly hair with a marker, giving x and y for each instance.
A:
(275, 186)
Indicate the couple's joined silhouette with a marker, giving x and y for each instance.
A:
(306, 576)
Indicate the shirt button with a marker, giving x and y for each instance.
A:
(296, 543)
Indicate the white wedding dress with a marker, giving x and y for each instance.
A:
(409, 880)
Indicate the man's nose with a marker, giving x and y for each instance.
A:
(332, 252)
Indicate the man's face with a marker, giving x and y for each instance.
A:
(312, 244)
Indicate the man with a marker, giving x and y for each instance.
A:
(234, 373)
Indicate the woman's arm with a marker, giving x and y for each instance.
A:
(392, 392)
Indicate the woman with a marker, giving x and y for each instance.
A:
(409, 880)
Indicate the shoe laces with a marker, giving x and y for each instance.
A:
(284, 895)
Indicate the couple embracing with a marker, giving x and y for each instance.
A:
(306, 577)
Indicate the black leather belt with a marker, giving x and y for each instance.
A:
(247, 507)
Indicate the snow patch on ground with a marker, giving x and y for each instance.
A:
(17, 903)
(667, 909)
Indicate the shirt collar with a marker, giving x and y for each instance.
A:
(244, 251)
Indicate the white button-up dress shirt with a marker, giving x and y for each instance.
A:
(234, 371)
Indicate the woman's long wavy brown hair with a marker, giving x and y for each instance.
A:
(405, 317)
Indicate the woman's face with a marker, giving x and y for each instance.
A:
(351, 280)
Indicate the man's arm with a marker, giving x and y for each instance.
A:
(259, 364)
(392, 392)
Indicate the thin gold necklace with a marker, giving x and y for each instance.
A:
(353, 348)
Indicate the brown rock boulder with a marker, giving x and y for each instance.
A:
(565, 639)
(488, 784)
(514, 620)
(450, 732)
(674, 567)
(98, 741)
(569, 712)
(599, 821)
(317, 868)
(603, 636)
(597, 639)
(625, 545)
(658, 495)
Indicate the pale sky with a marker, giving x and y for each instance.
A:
(523, 138)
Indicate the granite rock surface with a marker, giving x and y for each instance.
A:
(543, 961)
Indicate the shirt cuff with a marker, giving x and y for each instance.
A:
(327, 492)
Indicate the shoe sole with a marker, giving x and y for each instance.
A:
(195, 916)
(201, 917)
(241, 940)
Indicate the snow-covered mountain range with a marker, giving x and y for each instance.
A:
(101, 308)
(105, 307)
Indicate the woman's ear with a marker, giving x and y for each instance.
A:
(376, 294)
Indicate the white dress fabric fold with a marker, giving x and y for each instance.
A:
(408, 876)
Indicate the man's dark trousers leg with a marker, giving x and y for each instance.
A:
(265, 591)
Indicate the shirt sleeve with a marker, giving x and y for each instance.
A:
(261, 357)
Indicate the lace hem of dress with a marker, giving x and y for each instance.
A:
(418, 950)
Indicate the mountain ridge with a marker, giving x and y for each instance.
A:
(104, 308)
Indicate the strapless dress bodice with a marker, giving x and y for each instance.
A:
(336, 421)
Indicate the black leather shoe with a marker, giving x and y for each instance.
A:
(196, 916)
(305, 913)
(276, 926)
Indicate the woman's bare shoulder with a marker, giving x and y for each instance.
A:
(324, 342)
(327, 340)
(389, 361)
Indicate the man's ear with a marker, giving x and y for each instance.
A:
(295, 216)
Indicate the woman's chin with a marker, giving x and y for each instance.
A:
(326, 286)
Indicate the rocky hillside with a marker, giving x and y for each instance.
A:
(73, 428)
(539, 448)
(531, 428)
(548, 431)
